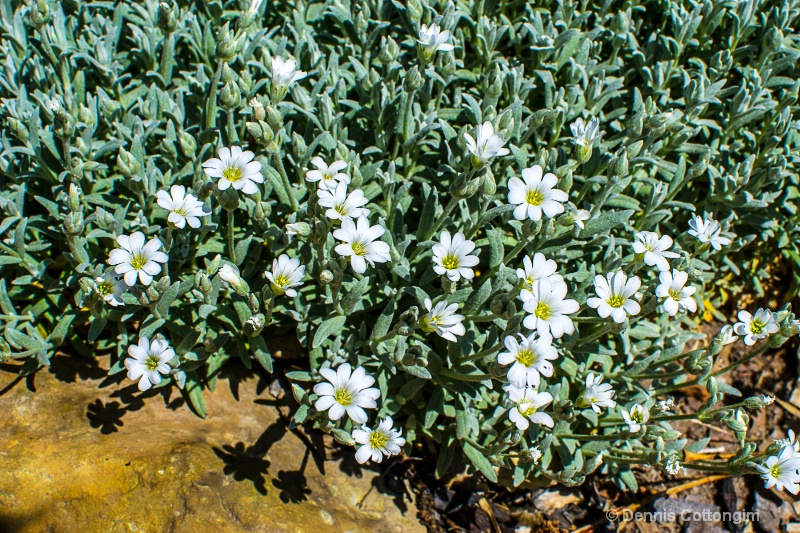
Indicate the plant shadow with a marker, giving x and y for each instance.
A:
(248, 463)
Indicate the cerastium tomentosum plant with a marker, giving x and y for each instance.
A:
(491, 227)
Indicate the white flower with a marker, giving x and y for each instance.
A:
(539, 268)
(585, 134)
(487, 146)
(767, 400)
(346, 392)
(531, 358)
(434, 39)
(581, 215)
(360, 244)
(666, 405)
(636, 418)
(182, 207)
(111, 288)
(236, 169)
(527, 402)
(443, 319)
(135, 258)
(375, 443)
(327, 176)
(342, 205)
(653, 249)
(755, 327)
(597, 394)
(677, 296)
(285, 73)
(780, 471)
(286, 273)
(614, 293)
(673, 466)
(708, 230)
(548, 309)
(452, 256)
(148, 361)
(535, 195)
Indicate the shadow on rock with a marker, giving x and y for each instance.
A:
(293, 483)
(247, 463)
(105, 416)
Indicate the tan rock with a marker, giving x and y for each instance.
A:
(76, 457)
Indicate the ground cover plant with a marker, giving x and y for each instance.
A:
(493, 226)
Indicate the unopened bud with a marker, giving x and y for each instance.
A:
(127, 164)
(231, 275)
(187, 143)
(325, 277)
(168, 17)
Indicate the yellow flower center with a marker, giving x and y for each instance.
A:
(529, 281)
(232, 174)
(757, 327)
(151, 362)
(450, 262)
(526, 357)
(534, 197)
(180, 211)
(343, 397)
(674, 294)
(543, 311)
(775, 471)
(637, 416)
(138, 261)
(359, 248)
(339, 208)
(105, 287)
(526, 409)
(281, 280)
(616, 301)
(378, 439)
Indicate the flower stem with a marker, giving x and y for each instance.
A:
(285, 180)
(229, 230)
(211, 103)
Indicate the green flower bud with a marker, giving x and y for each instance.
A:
(488, 185)
(74, 197)
(253, 303)
(187, 143)
(230, 96)
(127, 164)
(449, 67)
(413, 80)
(229, 199)
(421, 361)
(773, 40)
(168, 17)
(214, 265)
(389, 50)
(258, 109)
(226, 45)
(73, 223)
(299, 147)
(620, 165)
(274, 118)
(39, 14)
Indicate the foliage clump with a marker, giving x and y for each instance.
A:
(493, 226)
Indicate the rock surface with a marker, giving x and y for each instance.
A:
(89, 453)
